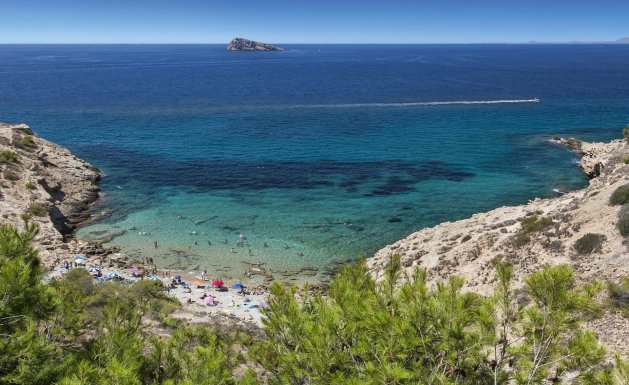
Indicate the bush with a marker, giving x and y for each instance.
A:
(589, 243)
(27, 141)
(626, 160)
(30, 186)
(619, 295)
(521, 239)
(625, 133)
(623, 221)
(533, 224)
(37, 210)
(620, 196)
(7, 156)
(10, 175)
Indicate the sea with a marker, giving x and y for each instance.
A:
(304, 159)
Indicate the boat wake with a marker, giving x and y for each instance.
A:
(417, 104)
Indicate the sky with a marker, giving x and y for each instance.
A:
(317, 21)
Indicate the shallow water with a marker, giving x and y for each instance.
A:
(320, 152)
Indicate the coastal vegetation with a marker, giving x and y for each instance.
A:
(625, 133)
(623, 220)
(619, 295)
(620, 196)
(8, 156)
(37, 210)
(27, 141)
(398, 331)
(10, 175)
(531, 224)
(589, 243)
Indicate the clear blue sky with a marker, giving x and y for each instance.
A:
(315, 21)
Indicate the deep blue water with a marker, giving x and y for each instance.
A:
(331, 150)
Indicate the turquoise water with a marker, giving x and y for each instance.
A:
(320, 152)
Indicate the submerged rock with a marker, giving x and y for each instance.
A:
(240, 44)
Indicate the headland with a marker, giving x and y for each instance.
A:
(531, 236)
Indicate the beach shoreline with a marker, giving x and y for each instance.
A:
(63, 188)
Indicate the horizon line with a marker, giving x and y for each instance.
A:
(343, 43)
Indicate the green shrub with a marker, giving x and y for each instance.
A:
(623, 221)
(30, 186)
(521, 239)
(27, 141)
(626, 160)
(625, 133)
(37, 210)
(533, 224)
(10, 175)
(620, 196)
(7, 156)
(619, 295)
(589, 243)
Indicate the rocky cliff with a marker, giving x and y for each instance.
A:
(240, 44)
(542, 232)
(48, 185)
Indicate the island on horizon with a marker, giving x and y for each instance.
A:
(240, 44)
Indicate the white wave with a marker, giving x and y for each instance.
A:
(416, 104)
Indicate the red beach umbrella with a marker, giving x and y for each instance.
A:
(218, 283)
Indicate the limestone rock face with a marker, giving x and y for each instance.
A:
(240, 44)
(47, 183)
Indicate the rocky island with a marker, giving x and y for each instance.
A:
(240, 44)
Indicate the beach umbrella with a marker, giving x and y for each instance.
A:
(114, 275)
(80, 257)
(134, 269)
(154, 278)
(209, 300)
(218, 283)
(238, 286)
(93, 270)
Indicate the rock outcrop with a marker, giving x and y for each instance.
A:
(468, 247)
(240, 44)
(47, 184)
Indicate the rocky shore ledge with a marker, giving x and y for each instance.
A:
(542, 232)
(50, 186)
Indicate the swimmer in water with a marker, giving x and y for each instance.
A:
(265, 245)
(155, 244)
(285, 246)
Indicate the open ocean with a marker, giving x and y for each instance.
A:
(314, 154)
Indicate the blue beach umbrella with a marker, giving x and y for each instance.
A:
(114, 276)
(239, 286)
